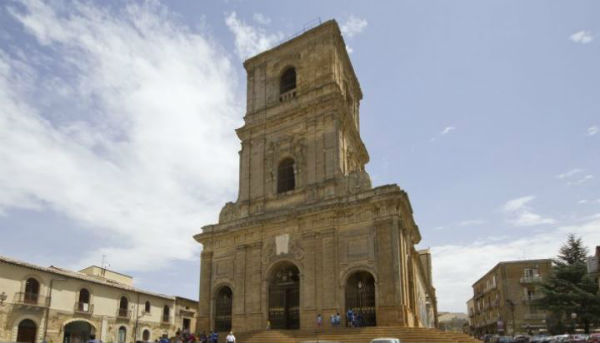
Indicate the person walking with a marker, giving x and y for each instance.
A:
(337, 319)
(319, 320)
(230, 338)
(349, 318)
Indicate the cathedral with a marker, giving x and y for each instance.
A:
(308, 234)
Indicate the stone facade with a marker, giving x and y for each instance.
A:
(502, 299)
(51, 300)
(308, 233)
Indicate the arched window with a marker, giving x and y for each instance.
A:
(146, 335)
(32, 291)
(165, 317)
(123, 305)
(288, 80)
(84, 300)
(147, 307)
(285, 176)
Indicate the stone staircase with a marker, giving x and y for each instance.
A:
(354, 335)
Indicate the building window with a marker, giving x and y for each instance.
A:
(285, 176)
(287, 81)
(147, 307)
(123, 305)
(84, 300)
(165, 317)
(32, 291)
(530, 272)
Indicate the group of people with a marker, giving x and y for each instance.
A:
(186, 337)
(353, 319)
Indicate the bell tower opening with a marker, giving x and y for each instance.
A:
(286, 180)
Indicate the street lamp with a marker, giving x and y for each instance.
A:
(573, 321)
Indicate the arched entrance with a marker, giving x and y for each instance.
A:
(27, 331)
(284, 297)
(77, 332)
(122, 335)
(146, 335)
(360, 297)
(223, 306)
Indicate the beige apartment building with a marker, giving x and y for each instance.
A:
(502, 299)
(593, 266)
(308, 233)
(52, 304)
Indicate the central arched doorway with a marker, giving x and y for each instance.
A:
(78, 332)
(360, 298)
(284, 297)
(27, 331)
(223, 306)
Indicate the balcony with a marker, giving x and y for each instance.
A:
(83, 308)
(165, 318)
(186, 313)
(123, 313)
(31, 299)
(531, 279)
(287, 95)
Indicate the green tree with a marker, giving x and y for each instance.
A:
(569, 294)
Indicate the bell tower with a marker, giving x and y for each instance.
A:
(308, 234)
(301, 137)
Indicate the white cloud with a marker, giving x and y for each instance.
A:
(520, 214)
(581, 180)
(569, 173)
(582, 201)
(261, 19)
(592, 130)
(447, 130)
(250, 40)
(573, 178)
(353, 26)
(517, 204)
(123, 122)
(454, 271)
(349, 49)
(582, 37)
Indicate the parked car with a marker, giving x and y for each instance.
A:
(539, 339)
(579, 338)
(521, 339)
(505, 339)
(594, 338)
(385, 340)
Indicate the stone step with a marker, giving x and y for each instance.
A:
(354, 335)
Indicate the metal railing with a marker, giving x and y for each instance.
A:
(123, 313)
(531, 279)
(34, 299)
(81, 307)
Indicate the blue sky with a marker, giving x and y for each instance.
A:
(117, 126)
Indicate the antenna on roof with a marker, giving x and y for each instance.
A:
(103, 265)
